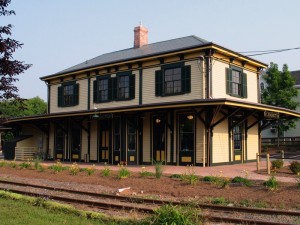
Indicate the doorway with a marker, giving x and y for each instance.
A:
(104, 144)
(159, 139)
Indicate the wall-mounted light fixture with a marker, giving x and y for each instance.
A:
(157, 120)
(190, 117)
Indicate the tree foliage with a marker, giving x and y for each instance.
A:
(9, 68)
(280, 91)
(30, 107)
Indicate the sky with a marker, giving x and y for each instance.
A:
(58, 34)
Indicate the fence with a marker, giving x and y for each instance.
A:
(24, 153)
(268, 162)
(283, 141)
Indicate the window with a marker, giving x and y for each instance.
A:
(102, 89)
(262, 86)
(68, 94)
(173, 79)
(186, 132)
(236, 82)
(121, 87)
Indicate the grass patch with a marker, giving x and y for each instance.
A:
(242, 180)
(40, 211)
(219, 201)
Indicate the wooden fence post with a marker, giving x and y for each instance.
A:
(257, 162)
(282, 155)
(268, 164)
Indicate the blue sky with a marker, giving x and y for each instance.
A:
(58, 34)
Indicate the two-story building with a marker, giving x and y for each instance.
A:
(181, 101)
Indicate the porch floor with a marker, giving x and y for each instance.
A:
(226, 170)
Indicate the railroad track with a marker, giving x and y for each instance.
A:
(217, 213)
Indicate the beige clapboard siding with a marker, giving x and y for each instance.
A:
(200, 141)
(149, 85)
(252, 141)
(220, 144)
(112, 104)
(84, 141)
(146, 138)
(51, 140)
(83, 93)
(94, 141)
(37, 140)
(219, 83)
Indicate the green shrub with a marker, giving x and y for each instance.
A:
(90, 170)
(123, 172)
(25, 165)
(37, 163)
(106, 171)
(158, 169)
(175, 215)
(3, 163)
(219, 201)
(74, 169)
(189, 175)
(295, 167)
(277, 164)
(210, 179)
(176, 176)
(58, 167)
(242, 180)
(13, 164)
(145, 173)
(272, 183)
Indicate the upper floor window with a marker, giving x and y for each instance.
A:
(102, 89)
(173, 79)
(121, 87)
(236, 82)
(68, 94)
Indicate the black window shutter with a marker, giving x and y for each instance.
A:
(95, 96)
(76, 94)
(110, 89)
(158, 83)
(244, 80)
(228, 81)
(59, 96)
(186, 79)
(114, 89)
(132, 86)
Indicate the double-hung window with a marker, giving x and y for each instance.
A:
(68, 94)
(173, 79)
(123, 87)
(102, 89)
(236, 82)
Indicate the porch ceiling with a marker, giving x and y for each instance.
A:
(227, 103)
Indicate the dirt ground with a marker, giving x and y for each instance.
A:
(286, 197)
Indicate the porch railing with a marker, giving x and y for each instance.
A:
(24, 153)
(283, 141)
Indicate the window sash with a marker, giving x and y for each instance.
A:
(68, 93)
(103, 89)
(123, 87)
(172, 80)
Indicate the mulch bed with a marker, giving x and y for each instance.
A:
(287, 197)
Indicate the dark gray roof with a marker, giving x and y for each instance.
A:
(146, 50)
(296, 75)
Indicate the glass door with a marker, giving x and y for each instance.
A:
(237, 143)
(186, 139)
(104, 141)
(131, 141)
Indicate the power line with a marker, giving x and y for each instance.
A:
(269, 51)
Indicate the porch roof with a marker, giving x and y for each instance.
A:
(190, 104)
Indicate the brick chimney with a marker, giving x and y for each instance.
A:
(140, 36)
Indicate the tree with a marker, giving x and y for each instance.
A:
(9, 68)
(29, 107)
(280, 91)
